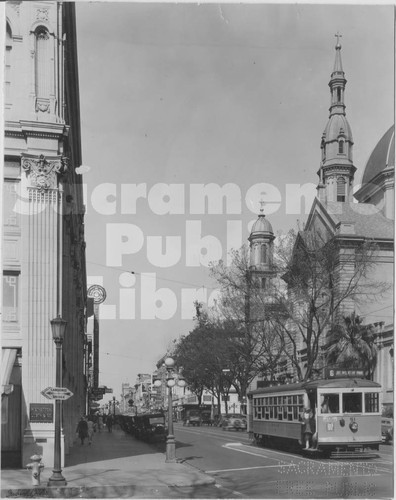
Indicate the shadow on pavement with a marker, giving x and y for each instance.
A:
(109, 446)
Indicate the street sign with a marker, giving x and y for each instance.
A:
(61, 393)
(98, 391)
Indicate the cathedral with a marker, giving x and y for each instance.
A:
(350, 216)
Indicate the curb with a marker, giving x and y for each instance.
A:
(99, 491)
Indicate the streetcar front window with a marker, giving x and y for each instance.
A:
(371, 403)
(330, 403)
(352, 402)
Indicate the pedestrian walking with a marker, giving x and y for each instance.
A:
(100, 423)
(91, 429)
(82, 429)
(109, 423)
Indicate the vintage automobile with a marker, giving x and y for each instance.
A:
(234, 421)
(127, 424)
(387, 429)
(206, 418)
(192, 417)
(150, 427)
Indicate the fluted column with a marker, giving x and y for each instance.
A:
(41, 294)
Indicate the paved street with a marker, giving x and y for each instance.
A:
(215, 464)
(244, 470)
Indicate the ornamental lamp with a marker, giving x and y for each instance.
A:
(58, 327)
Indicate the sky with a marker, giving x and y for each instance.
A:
(175, 97)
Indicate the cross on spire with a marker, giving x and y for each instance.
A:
(262, 203)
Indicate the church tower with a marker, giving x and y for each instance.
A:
(336, 170)
(261, 251)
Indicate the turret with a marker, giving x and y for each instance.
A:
(261, 250)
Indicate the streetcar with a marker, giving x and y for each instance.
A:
(345, 415)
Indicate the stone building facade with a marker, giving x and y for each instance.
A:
(44, 274)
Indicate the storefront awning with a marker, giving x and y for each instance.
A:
(7, 362)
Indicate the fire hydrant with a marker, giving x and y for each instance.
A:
(35, 466)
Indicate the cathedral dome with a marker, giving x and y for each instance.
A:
(262, 226)
(382, 157)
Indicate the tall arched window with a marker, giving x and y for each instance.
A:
(42, 63)
(263, 253)
(338, 94)
(341, 144)
(8, 55)
(341, 189)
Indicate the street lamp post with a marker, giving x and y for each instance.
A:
(58, 326)
(171, 379)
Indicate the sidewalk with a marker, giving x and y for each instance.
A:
(115, 465)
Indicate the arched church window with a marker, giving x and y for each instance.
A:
(262, 282)
(263, 254)
(338, 94)
(8, 55)
(341, 144)
(341, 189)
(42, 63)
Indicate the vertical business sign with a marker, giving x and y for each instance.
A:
(98, 294)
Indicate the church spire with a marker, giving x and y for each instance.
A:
(337, 82)
(336, 170)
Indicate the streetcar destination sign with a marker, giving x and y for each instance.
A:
(57, 393)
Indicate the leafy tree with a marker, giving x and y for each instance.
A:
(351, 344)
(203, 354)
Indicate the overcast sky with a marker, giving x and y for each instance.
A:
(191, 94)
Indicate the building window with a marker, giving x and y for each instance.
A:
(262, 282)
(341, 147)
(7, 71)
(10, 297)
(263, 254)
(225, 398)
(338, 94)
(10, 197)
(341, 187)
(42, 63)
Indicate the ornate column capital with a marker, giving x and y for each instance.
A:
(43, 171)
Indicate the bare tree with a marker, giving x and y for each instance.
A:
(326, 277)
(243, 310)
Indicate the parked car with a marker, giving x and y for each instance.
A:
(206, 418)
(192, 417)
(235, 421)
(387, 429)
(150, 427)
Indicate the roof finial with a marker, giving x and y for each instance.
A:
(338, 46)
(262, 203)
